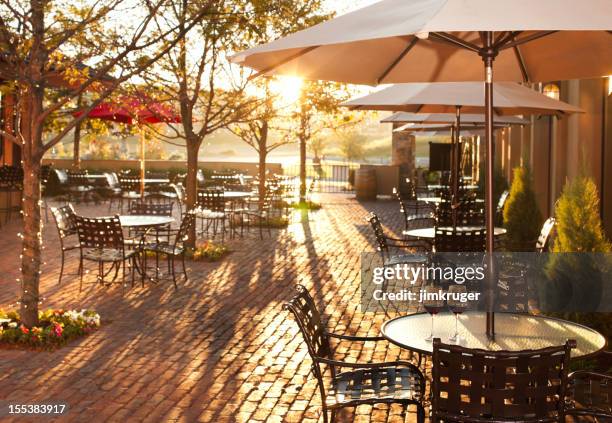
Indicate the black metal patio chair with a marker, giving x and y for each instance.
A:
(172, 250)
(589, 392)
(389, 247)
(101, 241)
(113, 191)
(67, 233)
(11, 183)
(211, 211)
(361, 383)
(543, 242)
(473, 385)
(457, 241)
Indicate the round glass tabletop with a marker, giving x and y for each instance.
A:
(513, 332)
(430, 232)
(137, 220)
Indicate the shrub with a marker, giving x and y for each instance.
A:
(522, 218)
(577, 279)
(579, 227)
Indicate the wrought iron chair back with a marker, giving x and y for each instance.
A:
(211, 199)
(112, 180)
(188, 222)
(147, 208)
(451, 241)
(308, 318)
(100, 232)
(11, 177)
(64, 220)
(478, 385)
(543, 241)
(129, 183)
(379, 233)
(468, 212)
(62, 176)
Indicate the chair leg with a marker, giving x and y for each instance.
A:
(171, 258)
(59, 282)
(81, 279)
(184, 268)
(420, 414)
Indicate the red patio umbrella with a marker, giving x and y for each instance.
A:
(135, 110)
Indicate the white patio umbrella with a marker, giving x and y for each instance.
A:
(457, 97)
(450, 40)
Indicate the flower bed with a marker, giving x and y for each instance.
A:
(56, 327)
(208, 251)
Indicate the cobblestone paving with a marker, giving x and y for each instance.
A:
(220, 348)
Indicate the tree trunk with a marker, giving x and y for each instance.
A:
(76, 152)
(191, 190)
(76, 148)
(32, 242)
(302, 169)
(262, 176)
(263, 154)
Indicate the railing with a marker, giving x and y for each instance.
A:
(330, 177)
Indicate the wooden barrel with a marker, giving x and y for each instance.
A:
(365, 184)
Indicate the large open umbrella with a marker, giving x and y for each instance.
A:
(450, 40)
(457, 97)
(135, 110)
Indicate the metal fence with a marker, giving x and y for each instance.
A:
(329, 177)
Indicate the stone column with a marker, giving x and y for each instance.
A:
(403, 146)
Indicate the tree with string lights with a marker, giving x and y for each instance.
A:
(69, 49)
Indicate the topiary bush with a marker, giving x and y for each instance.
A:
(577, 279)
(579, 227)
(522, 217)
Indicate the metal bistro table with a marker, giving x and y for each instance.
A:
(138, 221)
(144, 222)
(430, 231)
(513, 332)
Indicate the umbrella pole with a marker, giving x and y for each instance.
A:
(142, 162)
(456, 164)
(488, 56)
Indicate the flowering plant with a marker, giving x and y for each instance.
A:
(56, 327)
(208, 250)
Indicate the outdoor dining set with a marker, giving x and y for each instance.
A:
(523, 373)
(147, 227)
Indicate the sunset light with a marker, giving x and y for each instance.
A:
(287, 89)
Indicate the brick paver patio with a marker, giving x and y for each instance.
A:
(220, 348)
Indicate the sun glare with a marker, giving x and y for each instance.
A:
(287, 89)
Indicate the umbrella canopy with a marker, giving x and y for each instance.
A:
(444, 97)
(466, 119)
(451, 40)
(133, 110)
(403, 41)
